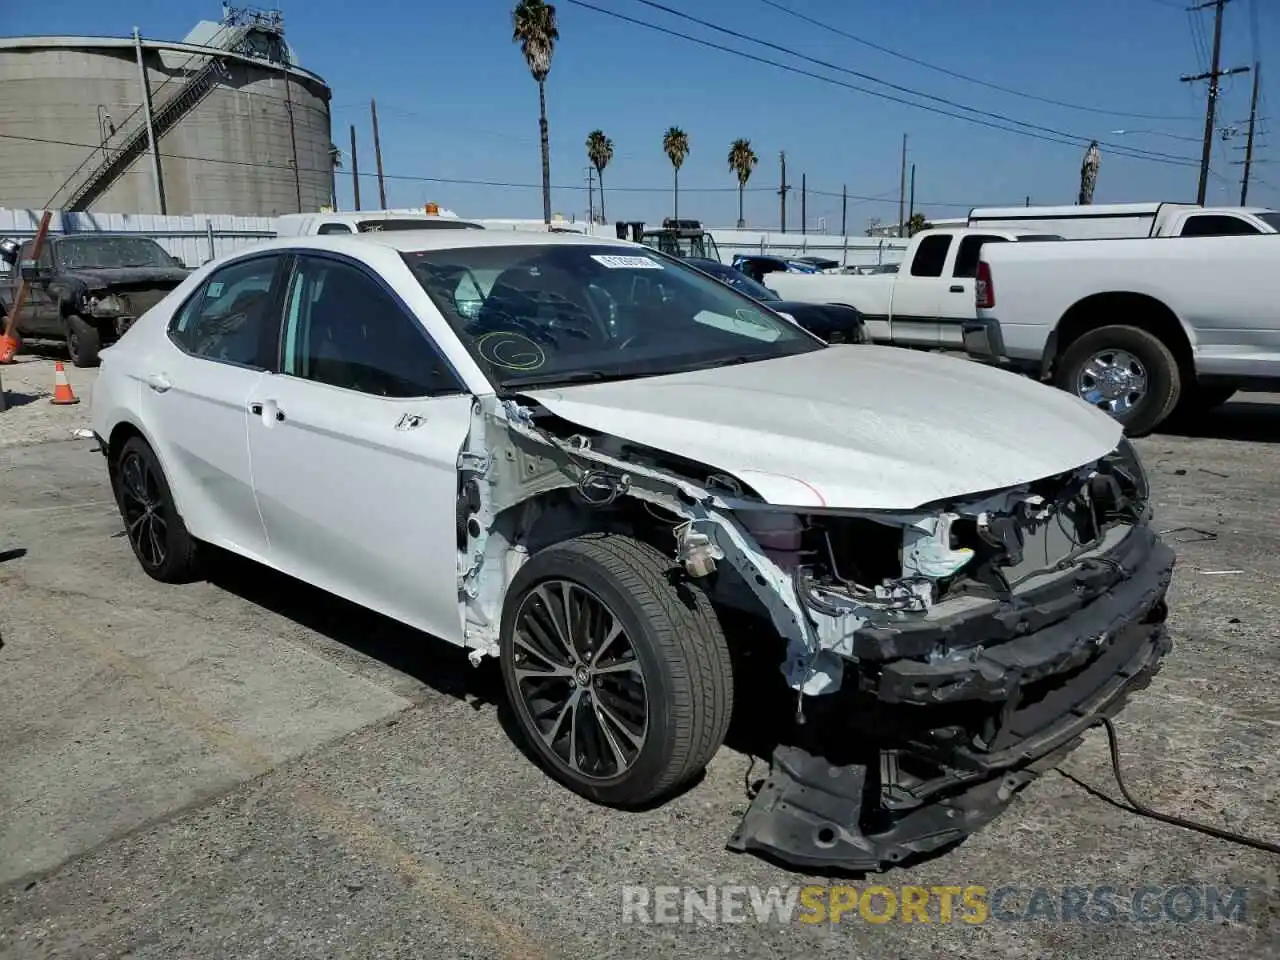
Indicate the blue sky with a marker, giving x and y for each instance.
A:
(456, 101)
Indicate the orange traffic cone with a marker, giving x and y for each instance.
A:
(9, 347)
(62, 392)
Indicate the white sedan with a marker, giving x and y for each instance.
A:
(626, 481)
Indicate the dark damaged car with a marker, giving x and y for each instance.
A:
(87, 289)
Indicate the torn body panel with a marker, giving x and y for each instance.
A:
(939, 656)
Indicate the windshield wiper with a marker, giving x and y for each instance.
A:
(581, 376)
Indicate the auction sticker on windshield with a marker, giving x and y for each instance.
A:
(617, 262)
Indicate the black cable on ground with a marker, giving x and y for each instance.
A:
(1144, 810)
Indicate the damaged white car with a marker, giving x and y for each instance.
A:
(625, 480)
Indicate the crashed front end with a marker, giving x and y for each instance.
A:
(938, 659)
(1017, 621)
(119, 306)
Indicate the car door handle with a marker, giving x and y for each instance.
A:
(256, 410)
(158, 382)
(957, 288)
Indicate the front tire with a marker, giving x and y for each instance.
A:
(1125, 371)
(616, 668)
(156, 532)
(84, 341)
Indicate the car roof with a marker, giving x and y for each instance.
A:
(412, 241)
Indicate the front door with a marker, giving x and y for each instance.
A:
(195, 390)
(355, 445)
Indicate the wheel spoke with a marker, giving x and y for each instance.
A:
(559, 620)
(544, 648)
(615, 631)
(620, 666)
(636, 739)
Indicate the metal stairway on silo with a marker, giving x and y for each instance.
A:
(164, 118)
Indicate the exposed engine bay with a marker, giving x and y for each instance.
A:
(938, 658)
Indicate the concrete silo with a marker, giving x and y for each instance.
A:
(240, 127)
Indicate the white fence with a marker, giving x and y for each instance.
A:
(198, 238)
(195, 239)
(849, 251)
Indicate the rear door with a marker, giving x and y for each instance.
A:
(196, 387)
(355, 443)
(918, 290)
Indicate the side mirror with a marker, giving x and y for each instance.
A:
(30, 270)
(788, 316)
(177, 261)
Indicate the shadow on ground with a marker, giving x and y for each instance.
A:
(441, 666)
(1242, 420)
(15, 399)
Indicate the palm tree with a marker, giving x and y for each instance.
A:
(335, 164)
(533, 24)
(600, 152)
(742, 160)
(676, 143)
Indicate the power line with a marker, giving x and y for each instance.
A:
(409, 178)
(963, 76)
(1053, 136)
(893, 86)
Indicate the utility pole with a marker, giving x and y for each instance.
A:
(804, 203)
(844, 210)
(377, 155)
(1248, 147)
(782, 192)
(591, 194)
(1213, 76)
(355, 169)
(157, 180)
(902, 189)
(911, 204)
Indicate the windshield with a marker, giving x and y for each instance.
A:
(1272, 220)
(740, 281)
(562, 313)
(404, 223)
(89, 253)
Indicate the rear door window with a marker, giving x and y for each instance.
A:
(967, 255)
(1216, 225)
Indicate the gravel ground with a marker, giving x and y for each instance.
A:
(28, 386)
(246, 767)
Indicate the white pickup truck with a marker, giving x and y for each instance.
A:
(1138, 327)
(924, 304)
(1104, 220)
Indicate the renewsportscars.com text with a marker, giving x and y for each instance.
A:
(969, 904)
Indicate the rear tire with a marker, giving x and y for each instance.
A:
(1162, 380)
(156, 531)
(84, 340)
(668, 662)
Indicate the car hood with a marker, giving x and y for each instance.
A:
(851, 427)
(104, 277)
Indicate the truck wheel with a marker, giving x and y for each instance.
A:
(83, 341)
(1125, 371)
(616, 668)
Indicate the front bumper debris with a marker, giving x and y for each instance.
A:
(959, 735)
